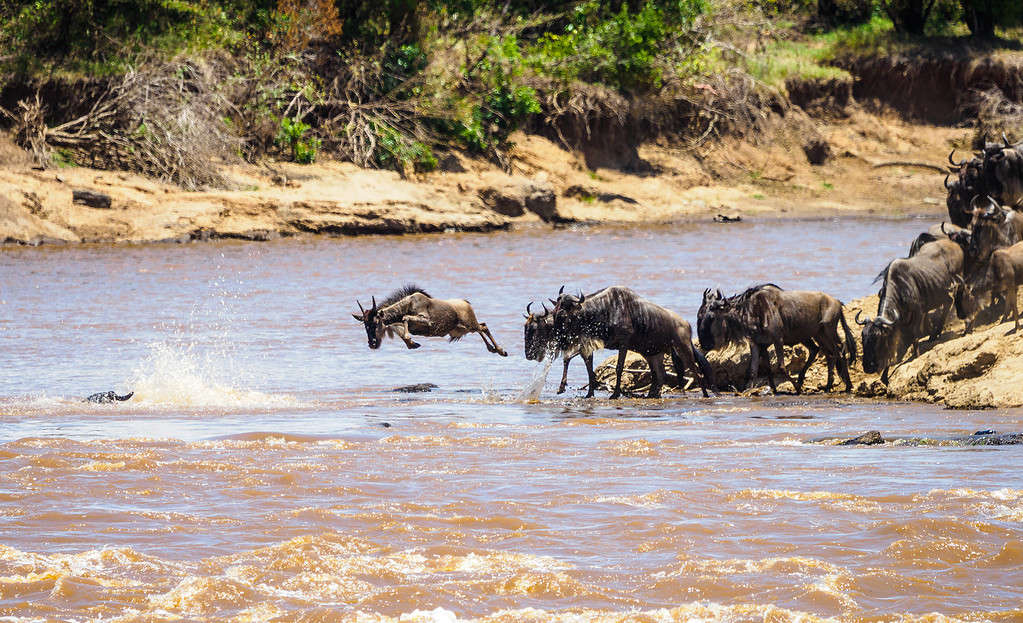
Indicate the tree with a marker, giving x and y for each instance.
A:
(909, 16)
(981, 16)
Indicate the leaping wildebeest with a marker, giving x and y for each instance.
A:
(411, 311)
(766, 315)
(617, 318)
(913, 289)
(540, 341)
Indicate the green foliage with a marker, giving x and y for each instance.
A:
(292, 136)
(401, 153)
(626, 50)
(782, 60)
(504, 102)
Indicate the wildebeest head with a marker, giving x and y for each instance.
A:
(965, 299)
(986, 228)
(968, 183)
(568, 317)
(959, 236)
(878, 342)
(711, 320)
(538, 333)
(370, 318)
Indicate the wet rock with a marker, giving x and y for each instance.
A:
(986, 431)
(418, 387)
(516, 199)
(725, 218)
(451, 164)
(106, 397)
(870, 438)
(817, 151)
(91, 198)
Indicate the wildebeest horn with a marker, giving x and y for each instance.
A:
(895, 318)
(953, 162)
(360, 306)
(718, 292)
(582, 297)
(374, 299)
(947, 186)
(857, 318)
(1005, 140)
(706, 291)
(553, 302)
(943, 229)
(561, 290)
(528, 313)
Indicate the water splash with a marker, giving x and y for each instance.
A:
(178, 376)
(531, 392)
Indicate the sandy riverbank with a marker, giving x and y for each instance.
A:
(758, 176)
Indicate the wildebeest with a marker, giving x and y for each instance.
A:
(969, 183)
(766, 315)
(912, 289)
(1002, 279)
(411, 311)
(1003, 172)
(992, 227)
(938, 232)
(105, 397)
(539, 340)
(619, 319)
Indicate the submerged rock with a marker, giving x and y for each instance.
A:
(105, 397)
(870, 438)
(418, 387)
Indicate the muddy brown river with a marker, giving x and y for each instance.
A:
(265, 471)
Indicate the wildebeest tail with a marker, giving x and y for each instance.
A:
(850, 343)
(705, 369)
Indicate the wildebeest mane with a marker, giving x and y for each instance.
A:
(400, 293)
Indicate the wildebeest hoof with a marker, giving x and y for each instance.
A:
(615, 396)
(501, 351)
(105, 397)
(413, 345)
(561, 390)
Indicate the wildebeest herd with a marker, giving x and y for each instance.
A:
(974, 265)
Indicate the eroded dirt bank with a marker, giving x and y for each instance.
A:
(769, 175)
(981, 370)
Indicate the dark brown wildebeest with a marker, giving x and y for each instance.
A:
(766, 315)
(411, 311)
(913, 288)
(1002, 280)
(938, 232)
(619, 319)
(969, 183)
(992, 228)
(540, 341)
(1003, 173)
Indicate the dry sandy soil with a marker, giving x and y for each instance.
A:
(768, 176)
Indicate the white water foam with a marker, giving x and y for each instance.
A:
(531, 392)
(178, 376)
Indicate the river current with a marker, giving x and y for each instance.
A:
(265, 470)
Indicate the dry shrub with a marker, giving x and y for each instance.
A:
(162, 119)
(302, 21)
(996, 115)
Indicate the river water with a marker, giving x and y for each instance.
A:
(264, 469)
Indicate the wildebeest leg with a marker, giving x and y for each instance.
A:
(940, 325)
(590, 374)
(401, 328)
(485, 333)
(1012, 298)
(564, 376)
(812, 350)
(618, 374)
(656, 364)
(884, 376)
(754, 364)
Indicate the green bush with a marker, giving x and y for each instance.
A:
(291, 136)
(627, 50)
(401, 153)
